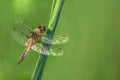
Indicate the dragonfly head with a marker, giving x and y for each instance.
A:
(42, 28)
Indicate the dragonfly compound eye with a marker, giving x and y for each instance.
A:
(42, 27)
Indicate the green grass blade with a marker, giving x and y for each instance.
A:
(54, 17)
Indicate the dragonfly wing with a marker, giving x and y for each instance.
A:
(37, 48)
(21, 31)
(56, 39)
(19, 36)
(21, 26)
(45, 51)
(56, 52)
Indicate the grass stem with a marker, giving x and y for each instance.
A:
(54, 17)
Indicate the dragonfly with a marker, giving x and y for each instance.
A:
(34, 39)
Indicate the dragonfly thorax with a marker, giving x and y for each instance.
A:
(35, 36)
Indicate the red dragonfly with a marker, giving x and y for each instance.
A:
(33, 39)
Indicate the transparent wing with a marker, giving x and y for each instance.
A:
(56, 39)
(19, 36)
(22, 27)
(44, 50)
(20, 31)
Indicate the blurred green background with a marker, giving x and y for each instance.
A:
(93, 50)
